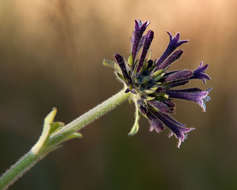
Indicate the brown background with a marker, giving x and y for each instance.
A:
(51, 54)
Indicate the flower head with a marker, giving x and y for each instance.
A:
(153, 86)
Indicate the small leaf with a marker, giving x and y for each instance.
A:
(50, 117)
(74, 135)
(108, 63)
(55, 126)
(135, 127)
(45, 133)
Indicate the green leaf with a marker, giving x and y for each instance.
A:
(46, 132)
(108, 63)
(74, 135)
(135, 126)
(55, 126)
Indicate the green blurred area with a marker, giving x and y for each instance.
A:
(51, 54)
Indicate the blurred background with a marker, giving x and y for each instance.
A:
(51, 54)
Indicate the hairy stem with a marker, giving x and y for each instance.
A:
(31, 158)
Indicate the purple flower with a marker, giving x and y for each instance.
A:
(137, 40)
(155, 123)
(173, 44)
(160, 106)
(179, 75)
(178, 129)
(152, 86)
(199, 73)
(193, 94)
(173, 57)
(147, 43)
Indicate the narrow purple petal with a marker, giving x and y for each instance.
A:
(142, 108)
(155, 123)
(192, 94)
(140, 27)
(122, 66)
(173, 44)
(179, 75)
(147, 43)
(199, 73)
(160, 106)
(177, 83)
(169, 120)
(185, 132)
(144, 25)
(170, 59)
(170, 104)
(176, 128)
(141, 43)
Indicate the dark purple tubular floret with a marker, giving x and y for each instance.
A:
(155, 123)
(179, 75)
(173, 44)
(161, 106)
(199, 73)
(193, 94)
(122, 66)
(172, 58)
(141, 43)
(140, 27)
(153, 86)
(176, 128)
(148, 39)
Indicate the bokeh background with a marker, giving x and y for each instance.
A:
(51, 54)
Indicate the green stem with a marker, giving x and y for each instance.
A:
(17, 170)
(89, 117)
(31, 158)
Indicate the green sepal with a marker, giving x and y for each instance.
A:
(157, 73)
(149, 98)
(151, 90)
(162, 96)
(135, 126)
(149, 55)
(119, 76)
(117, 68)
(108, 63)
(130, 60)
(55, 126)
(157, 78)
